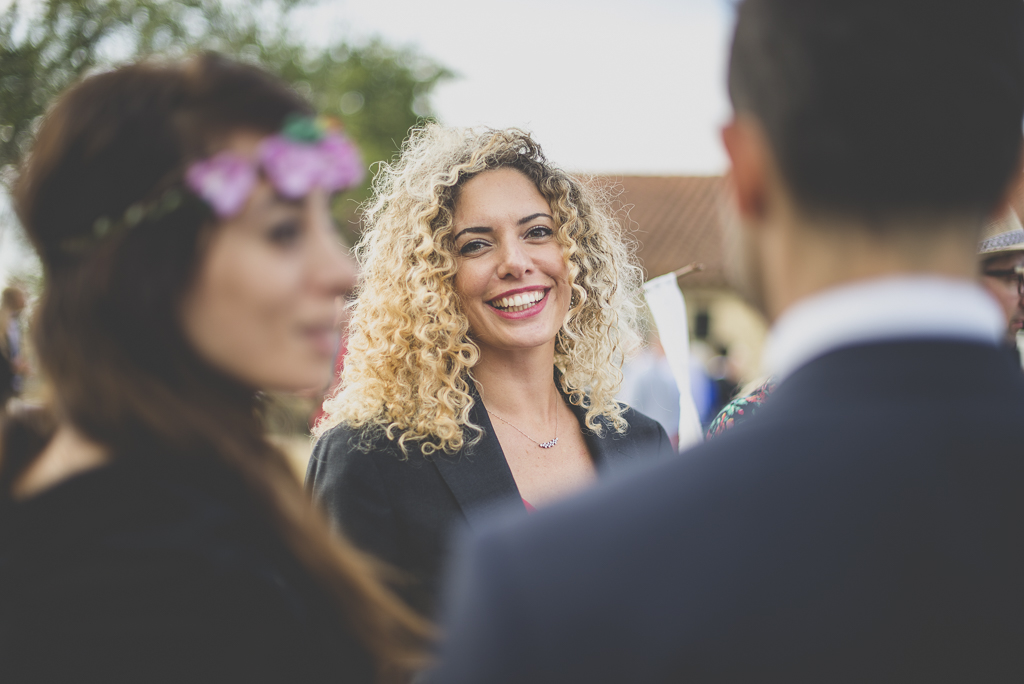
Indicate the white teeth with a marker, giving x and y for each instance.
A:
(519, 302)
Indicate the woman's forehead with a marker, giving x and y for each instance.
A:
(498, 193)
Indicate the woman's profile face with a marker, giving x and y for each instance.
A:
(262, 307)
(512, 277)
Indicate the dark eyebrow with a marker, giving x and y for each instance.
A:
(475, 229)
(527, 219)
(482, 229)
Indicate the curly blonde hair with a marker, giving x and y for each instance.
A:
(410, 353)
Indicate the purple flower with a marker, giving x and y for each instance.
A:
(224, 181)
(295, 168)
(343, 166)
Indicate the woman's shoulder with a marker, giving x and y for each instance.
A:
(639, 426)
(358, 454)
(639, 423)
(185, 576)
(145, 545)
(345, 446)
(344, 438)
(166, 509)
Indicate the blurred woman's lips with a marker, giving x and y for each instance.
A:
(321, 338)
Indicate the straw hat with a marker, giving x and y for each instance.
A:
(1004, 234)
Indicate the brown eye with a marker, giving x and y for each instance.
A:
(472, 246)
(539, 232)
(285, 233)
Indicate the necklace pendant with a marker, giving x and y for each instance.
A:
(548, 444)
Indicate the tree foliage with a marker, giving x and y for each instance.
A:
(377, 91)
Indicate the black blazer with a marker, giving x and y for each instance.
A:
(866, 525)
(403, 510)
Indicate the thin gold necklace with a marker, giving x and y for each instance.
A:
(543, 445)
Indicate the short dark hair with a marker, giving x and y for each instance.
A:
(885, 108)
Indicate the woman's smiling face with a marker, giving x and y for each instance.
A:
(512, 277)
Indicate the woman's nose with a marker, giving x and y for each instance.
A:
(334, 269)
(515, 260)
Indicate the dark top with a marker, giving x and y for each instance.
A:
(134, 573)
(403, 510)
(865, 525)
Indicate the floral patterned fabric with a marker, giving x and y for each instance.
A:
(739, 409)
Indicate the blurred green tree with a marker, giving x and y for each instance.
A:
(377, 91)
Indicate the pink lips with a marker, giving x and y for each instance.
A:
(322, 339)
(525, 313)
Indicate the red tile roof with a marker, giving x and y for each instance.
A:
(676, 220)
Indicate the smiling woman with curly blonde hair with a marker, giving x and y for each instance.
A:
(493, 285)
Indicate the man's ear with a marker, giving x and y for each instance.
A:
(746, 145)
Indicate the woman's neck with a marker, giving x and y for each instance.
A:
(518, 383)
(69, 453)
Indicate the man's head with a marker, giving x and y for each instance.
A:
(1001, 253)
(876, 115)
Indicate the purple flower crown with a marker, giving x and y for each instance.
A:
(307, 154)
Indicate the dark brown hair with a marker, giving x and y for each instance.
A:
(877, 109)
(107, 330)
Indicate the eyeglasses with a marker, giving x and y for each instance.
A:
(1008, 274)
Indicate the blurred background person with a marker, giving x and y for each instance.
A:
(1001, 252)
(13, 363)
(650, 387)
(497, 298)
(181, 212)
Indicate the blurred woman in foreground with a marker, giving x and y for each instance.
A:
(497, 299)
(181, 213)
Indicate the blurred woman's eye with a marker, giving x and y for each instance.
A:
(285, 233)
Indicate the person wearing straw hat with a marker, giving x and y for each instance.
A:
(1001, 252)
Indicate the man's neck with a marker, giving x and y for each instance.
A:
(806, 258)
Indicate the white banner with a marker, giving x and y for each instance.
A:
(666, 302)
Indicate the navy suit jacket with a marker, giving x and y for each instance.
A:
(866, 525)
(405, 509)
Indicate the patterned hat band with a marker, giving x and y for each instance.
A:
(1003, 233)
(1003, 242)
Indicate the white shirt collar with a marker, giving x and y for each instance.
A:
(882, 309)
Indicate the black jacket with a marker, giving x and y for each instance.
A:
(866, 525)
(404, 510)
(146, 572)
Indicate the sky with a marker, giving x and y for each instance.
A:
(605, 86)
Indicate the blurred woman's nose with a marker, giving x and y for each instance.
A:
(334, 269)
